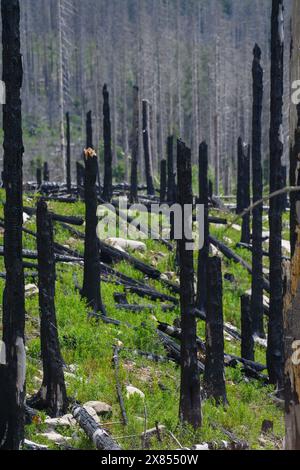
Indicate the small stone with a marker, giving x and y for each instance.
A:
(101, 408)
(134, 391)
(55, 437)
(65, 421)
(30, 290)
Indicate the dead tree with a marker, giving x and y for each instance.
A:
(147, 147)
(52, 395)
(214, 378)
(163, 181)
(80, 179)
(243, 188)
(275, 356)
(247, 346)
(91, 290)
(204, 252)
(171, 194)
(294, 181)
(38, 178)
(135, 147)
(89, 130)
(12, 374)
(46, 174)
(190, 401)
(68, 156)
(107, 185)
(257, 186)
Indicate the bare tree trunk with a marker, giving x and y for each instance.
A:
(107, 185)
(68, 163)
(135, 147)
(190, 401)
(12, 375)
(147, 148)
(163, 180)
(275, 359)
(61, 90)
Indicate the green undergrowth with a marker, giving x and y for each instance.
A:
(87, 349)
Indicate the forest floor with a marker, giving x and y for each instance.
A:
(87, 349)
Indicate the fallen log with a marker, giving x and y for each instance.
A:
(57, 217)
(148, 356)
(29, 254)
(173, 349)
(151, 294)
(101, 439)
(135, 308)
(224, 445)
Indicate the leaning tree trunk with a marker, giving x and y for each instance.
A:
(12, 375)
(275, 359)
(91, 290)
(257, 185)
(147, 148)
(190, 401)
(68, 159)
(52, 395)
(107, 185)
(204, 252)
(135, 147)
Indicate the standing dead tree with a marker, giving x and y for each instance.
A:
(135, 146)
(107, 185)
(46, 174)
(214, 377)
(147, 147)
(275, 357)
(257, 185)
(204, 252)
(190, 401)
(171, 194)
(52, 395)
(91, 290)
(89, 130)
(68, 155)
(12, 373)
(247, 346)
(294, 181)
(163, 181)
(243, 188)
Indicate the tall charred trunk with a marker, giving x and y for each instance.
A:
(12, 375)
(68, 159)
(275, 359)
(135, 147)
(190, 401)
(107, 185)
(247, 347)
(243, 188)
(147, 147)
(163, 180)
(171, 194)
(89, 130)
(257, 186)
(46, 174)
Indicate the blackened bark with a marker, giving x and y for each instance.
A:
(38, 178)
(12, 375)
(46, 174)
(68, 156)
(243, 188)
(107, 185)
(214, 377)
(91, 290)
(89, 130)
(52, 395)
(147, 147)
(275, 348)
(190, 401)
(247, 347)
(257, 187)
(204, 252)
(171, 194)
(294, 181)
(80, 179)
(163, 180)
(135, 147)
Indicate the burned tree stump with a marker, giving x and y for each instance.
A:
(163, 181)
(147, 147)
(275, 353)
(135, 147)
(243, 188)
(52, 395)
(12, 374)
(68, 156)
(107, 186)
(190, 401)
(204, 252)
(91, 289)
(247, 346)
(214, 377)
(257, 185)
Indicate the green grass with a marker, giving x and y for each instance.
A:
(88, 345)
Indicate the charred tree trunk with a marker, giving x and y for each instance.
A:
(80, 179)
(135, 147)
(12, 375)
(91, 290)
(247, 347)
(243, 188)
(68, 156)
(171, 194)
(147, 148)
(89, 131)
(46, 174)
(163, 181)
(204, 252)
(295, 181)
(38, 178)
(214, 378)
(190, 401)
(52, 395)
(275, 359)
(107, 185)
(257, 185)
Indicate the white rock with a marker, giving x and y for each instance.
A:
(238, 228)
(30, 290)
(99, 407)
(26, 217)
(55, 437)
(66, 421)
(134, 391)
(123, 244)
